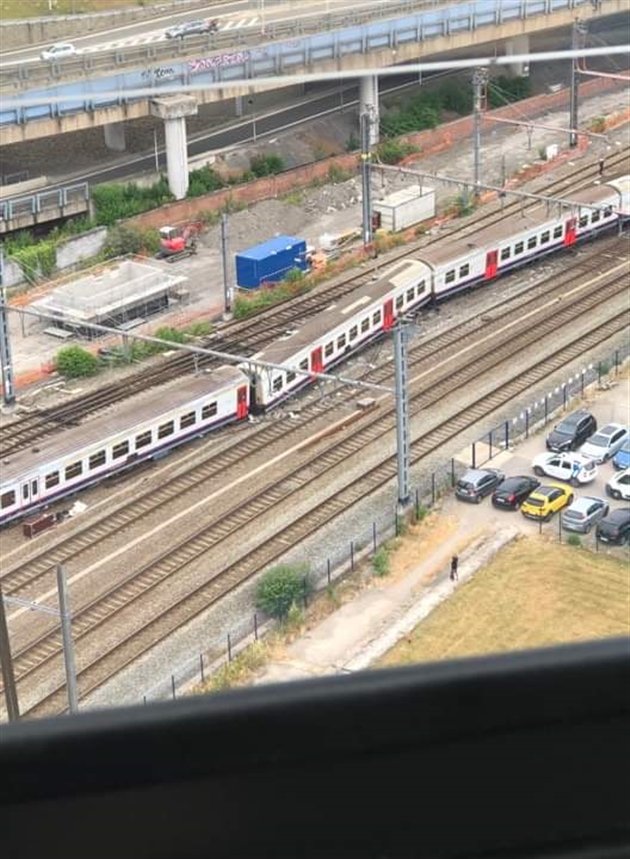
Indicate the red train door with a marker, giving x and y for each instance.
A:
(317, 364)
(570, 232)
(491, 264)
(388, 314)
(241, 402)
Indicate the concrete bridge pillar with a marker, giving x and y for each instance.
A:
(115, 136)
(518, 45)
(368, 103)
(173, 110)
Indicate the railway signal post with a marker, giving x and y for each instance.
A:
(6, 363)
(402, 412)
(480, 82)
(366, 189)
(227, 290)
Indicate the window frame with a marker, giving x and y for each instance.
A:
(118, 452)
(101, 455)
(77, 465)
(143, 439)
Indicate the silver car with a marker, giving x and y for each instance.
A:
(584, 513)
(605, 442)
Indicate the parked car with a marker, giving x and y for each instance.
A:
(58, 52)
(605, 443)
(622, 458)
(572, 467)
(572, 431)
(192, 28)
(584, 513)
(513, 491)
(619, 485)
(477, 483)
(615, 528)
(546, 500)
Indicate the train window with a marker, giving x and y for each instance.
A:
(25, 492)
(584, 221)
(304, 364)
(188, 420)
(166, 429)
(208, 411)
(7, 498)
(330, 348)
(400, 300)
(411, 294)
(290, 377)
(354, 332)
(365, 325)
(97, 459)
(421, 287)
(120, 449)
(74, 470)
(608, 211)
(518, 248)
(595, 216)
(464, 270)
(557, 233)
(376, 318)
(277, 383)
(532, 241)
(505, 253)
(545, 237)
(52, 479)
(143, 439)
(341, 341)
(450, 276)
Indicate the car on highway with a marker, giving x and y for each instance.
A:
(476, 483)
(513, 491)
(584, 513)
(572, 431)
(572, 467)
(546, 500)
(605, 443)
(622, 458)
(192, 28)
(58, 52)
(615, 528)
(619, 485)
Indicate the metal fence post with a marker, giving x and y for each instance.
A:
(203, 677)
(507, 434)
(490, 444)
(396, 524)
(373, 536)
(433, 489)
(474, 454)
(255, 627)
(546, 408)
(417, 504)
(351, 556)
(144, 699)
(328, 570)
(599, 372)
(229, 645)
(452, 471)
(616, 362)
(582, 383)
(564, 395)
(173, 685)
(526, 423)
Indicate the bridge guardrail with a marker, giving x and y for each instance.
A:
(33, 204)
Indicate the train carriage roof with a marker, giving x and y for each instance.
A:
(401, 274)
(132, 414)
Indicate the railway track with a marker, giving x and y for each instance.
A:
(26, 575)
(143, 581)
(251, 335)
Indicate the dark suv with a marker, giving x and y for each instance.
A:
(615, 528)
(477, 483)
(510, 494)
(572, 431)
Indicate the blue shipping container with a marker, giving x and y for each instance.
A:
(270, 261)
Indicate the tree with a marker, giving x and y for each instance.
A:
(282, 587)
(73, 362)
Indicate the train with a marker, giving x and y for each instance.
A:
(160, 420)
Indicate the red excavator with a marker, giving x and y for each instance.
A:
(178, 242)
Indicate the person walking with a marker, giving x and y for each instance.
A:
(454, 564)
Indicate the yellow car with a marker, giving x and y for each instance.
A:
(546, 500)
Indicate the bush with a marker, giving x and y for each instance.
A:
(574, 540)
(199, 329)
(35, 259)
(353, 142)
(113, 202)
(456, 96)
(393, 151)
(281, 588)
(380, 562)
(267, 165)
(420, 112)
(294, 275)
(505, 90)
(204, 181)
(125, 239)
(338, 174)
(75, 362)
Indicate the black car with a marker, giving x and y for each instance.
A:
(615, 528)
(572, 431)
(513, 491)
(477, 483)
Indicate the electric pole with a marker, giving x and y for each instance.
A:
(402, 411)
(8, 676)
(66, 634)
(6, 364)
(480, 101)
(227, 291)
(578, 40)
(366, 159)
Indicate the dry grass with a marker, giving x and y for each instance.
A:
(39, 8)
(533, 594)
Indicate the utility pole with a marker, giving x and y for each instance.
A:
(66, 633)
(366, 158)
(8, 676)
(402, 412)
(480, 97)
(227, 291)
(578, 40)
(6, 364)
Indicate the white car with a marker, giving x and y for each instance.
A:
(58, 52)
(605, 442)
(619, 485)
(569, 467)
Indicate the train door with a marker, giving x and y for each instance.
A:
(492, 264)
(388, 314)
(317, 363)
(30, 491)
(570, 232)
(241, 402)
